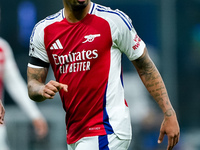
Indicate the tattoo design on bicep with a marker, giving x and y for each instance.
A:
(146, 68)
(38, 74)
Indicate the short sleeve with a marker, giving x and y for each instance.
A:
(37, 46)
(127, 38)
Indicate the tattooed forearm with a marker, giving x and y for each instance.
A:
(36, 78)
(152, 80)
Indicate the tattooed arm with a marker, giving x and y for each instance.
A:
(2, 113)
(155, 85)
(37, 89)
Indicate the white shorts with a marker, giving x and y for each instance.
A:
(103, 142)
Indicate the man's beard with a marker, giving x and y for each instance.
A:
(78, 7)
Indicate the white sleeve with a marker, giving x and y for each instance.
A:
(126, 37)
(16, 86)
(37, 46)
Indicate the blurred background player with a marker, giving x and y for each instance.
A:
(11, 78)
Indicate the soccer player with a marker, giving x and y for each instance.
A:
(2, 112)
(83, 43)
(11, 78)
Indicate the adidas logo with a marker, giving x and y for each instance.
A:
(56, 45)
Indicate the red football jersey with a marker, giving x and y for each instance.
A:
(87, 57)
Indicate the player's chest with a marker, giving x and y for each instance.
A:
(90, 34)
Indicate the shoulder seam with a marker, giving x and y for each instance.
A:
(119, 13)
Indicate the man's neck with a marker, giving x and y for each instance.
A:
(74, 16)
